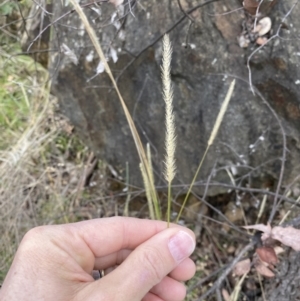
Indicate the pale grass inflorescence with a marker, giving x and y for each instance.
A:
(170, 140)
(211, 139)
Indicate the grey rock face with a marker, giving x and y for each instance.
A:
(206, 58)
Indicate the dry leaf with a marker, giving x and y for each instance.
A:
(267, 254)
(288, 236)
(278, 250)
(264, 26)
(250, 6)
(242, 267)
(261, 40)
(266, 229)
(262, 268)
(264, 271)
(260, 227)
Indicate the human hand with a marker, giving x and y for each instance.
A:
(146, 261)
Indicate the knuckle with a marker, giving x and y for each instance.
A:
(31, 240)
(154, 262)
(34, 233)
(36, 237)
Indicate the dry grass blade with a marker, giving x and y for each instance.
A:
(236, 292)
(135, 135)
(147, 190)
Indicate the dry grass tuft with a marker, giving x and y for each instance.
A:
(21, 180)
(33, 143)
(38, 182)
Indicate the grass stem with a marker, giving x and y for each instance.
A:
(210, 142)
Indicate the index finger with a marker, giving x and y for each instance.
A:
(107, 235)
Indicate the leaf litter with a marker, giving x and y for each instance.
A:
(288, 236)
(265, 257)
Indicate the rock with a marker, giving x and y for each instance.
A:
(206, 58)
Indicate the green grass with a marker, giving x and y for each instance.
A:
(7, 8)
(21, 80)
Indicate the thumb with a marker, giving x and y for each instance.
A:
(149, 263)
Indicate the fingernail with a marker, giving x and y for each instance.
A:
(181, 245)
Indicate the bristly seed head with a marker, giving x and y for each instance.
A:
(170, 140)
